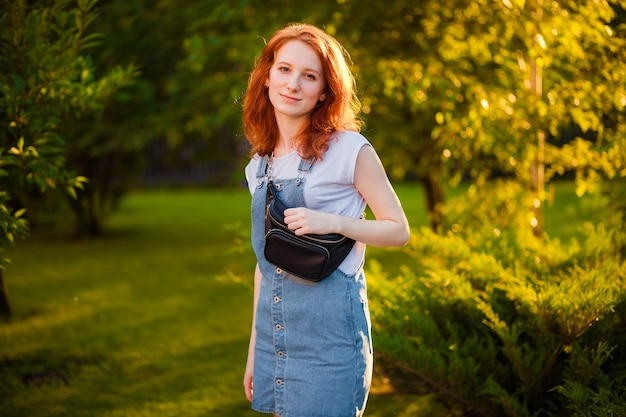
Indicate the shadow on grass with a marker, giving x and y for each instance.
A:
(201, 380)
(45, 368)
(189, 380)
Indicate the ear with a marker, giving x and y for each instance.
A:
(267, 82)
(322, 97)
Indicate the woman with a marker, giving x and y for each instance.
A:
(310, 351)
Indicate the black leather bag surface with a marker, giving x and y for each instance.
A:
(312, 257)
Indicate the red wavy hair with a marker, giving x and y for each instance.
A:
(337, 113)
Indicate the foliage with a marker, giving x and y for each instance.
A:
(113, 146)
(13, 225)
(502, 323)
(446, 89)
(45, 77)
(501, 50)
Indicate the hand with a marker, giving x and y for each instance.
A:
(247, 380)
(305, 221)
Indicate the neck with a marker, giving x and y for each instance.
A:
(286, 143)
(283, 147)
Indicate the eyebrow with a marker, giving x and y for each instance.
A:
(306, 69)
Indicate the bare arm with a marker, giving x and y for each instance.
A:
(390, 227)
(248, 376)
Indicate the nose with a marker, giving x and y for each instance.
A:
(294, 83)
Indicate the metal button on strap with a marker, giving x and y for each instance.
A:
(279, 271)
(276, 299)
(281, 354)
(279, 382)
(279, 327)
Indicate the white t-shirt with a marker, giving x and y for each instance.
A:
(329, 185)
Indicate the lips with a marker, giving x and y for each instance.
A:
(289, 98)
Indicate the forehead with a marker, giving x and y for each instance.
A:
(298, 54)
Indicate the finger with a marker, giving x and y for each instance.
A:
(247, 384)
(293, 220)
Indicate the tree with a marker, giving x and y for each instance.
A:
(476, 87)
(112, 145)
(495, 320)
(46, 76)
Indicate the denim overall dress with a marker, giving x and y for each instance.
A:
(313, 354)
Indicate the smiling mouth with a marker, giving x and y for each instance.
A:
(289, 98)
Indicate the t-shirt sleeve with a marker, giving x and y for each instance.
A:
(348, 145)
(250, 172)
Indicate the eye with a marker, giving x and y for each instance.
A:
(311, 77)
(283, 69)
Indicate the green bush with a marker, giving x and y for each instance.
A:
(502, 323)
(47, 79)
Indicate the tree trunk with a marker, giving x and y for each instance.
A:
(434, 198)
(537, 167)
(537, 175)
(5, 307)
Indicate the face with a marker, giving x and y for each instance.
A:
(296, 81)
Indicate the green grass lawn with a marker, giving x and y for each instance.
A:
(154, 318)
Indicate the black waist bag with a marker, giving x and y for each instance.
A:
(312, 257)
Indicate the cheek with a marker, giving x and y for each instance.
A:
(315, 90)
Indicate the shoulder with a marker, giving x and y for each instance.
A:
(342, 154)
(251, 169)
(253, 164)
(348, 139)
(343, 145)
